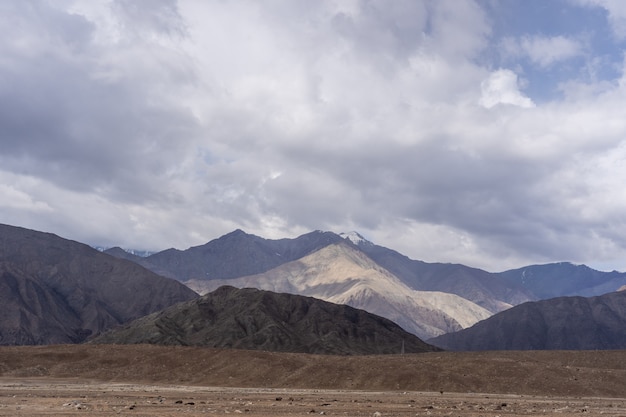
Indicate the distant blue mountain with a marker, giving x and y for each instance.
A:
(564, 278)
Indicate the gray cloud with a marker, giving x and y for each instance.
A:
(76, 118)
(171, 123)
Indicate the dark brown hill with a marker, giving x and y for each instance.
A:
(263, 320)
(572, 323)
(55, 290)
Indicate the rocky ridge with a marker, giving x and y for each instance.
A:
(263, 320)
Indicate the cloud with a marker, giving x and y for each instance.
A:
(14, 198)
(149, 17)
(502, 88)
(541, 50)
(172, 124)
(64, 120)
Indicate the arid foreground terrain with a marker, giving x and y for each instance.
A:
(142, 380)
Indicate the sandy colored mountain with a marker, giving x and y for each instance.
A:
(342, 274)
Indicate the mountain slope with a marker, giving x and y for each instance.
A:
(33, 314)
(233, 255)
(263, 320)
(563, 279)
(59, 291)
(483, 288)
(567, 323)
(342, 274)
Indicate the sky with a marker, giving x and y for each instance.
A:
(490, 133)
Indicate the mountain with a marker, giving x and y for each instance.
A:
(233, 255)
(486, 289)
(340, 273)
(34, 314)
(563, 279)
(239, 254)
(263, 320)
(54, 290)
(494, 291)
(123, 254)
(130, 254)
(564, 323)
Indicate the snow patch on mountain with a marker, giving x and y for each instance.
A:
(136, 252)
(355, 238)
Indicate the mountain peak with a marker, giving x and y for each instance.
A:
(355, 238)
(236, 232)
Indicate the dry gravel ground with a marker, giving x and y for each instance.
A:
(45, 397)
(174, 381)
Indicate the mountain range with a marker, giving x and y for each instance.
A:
(233, 255)
(53, 290)
(565, 279)
(238, 254)
(427, 299)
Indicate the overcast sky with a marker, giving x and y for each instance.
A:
(491, 133)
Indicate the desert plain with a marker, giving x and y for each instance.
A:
(142, 380)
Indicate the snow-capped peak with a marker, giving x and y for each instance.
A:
(355, 238)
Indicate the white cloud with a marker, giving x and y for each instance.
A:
(541, 50)
(501, 87)
(15, 198)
